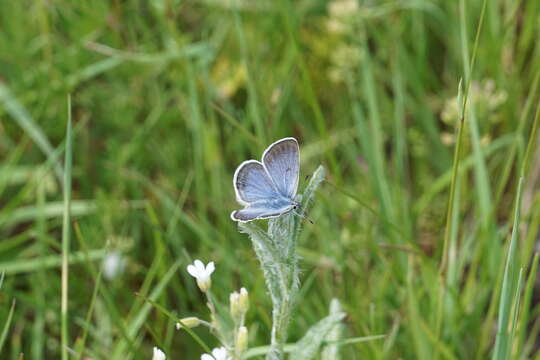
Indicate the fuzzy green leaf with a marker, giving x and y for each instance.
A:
(308, 347)
(316, 179)
(268, 258)
(331, 351)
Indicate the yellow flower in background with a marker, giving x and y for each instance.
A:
(229, 77)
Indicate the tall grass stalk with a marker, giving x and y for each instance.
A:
(531, 143)
(66, 237)
(459, 143)
(509, 292)
(451, 227)
(527, 298)
(7, 323)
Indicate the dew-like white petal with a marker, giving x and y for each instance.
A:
(210, 268)
(199, 265)
(193, 271)
(206, 357)
(220, 353)
(158, 354)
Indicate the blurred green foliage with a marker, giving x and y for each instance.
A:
(169, 96)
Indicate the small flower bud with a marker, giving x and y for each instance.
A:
(239, 304)
(234, 305)
(213, 321)
(241, 340)
(189, 322)
(243, 301)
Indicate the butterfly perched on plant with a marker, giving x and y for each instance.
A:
(267, 188)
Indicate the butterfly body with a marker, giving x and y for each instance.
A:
(267, 188)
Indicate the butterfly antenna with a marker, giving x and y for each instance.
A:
(304, 217)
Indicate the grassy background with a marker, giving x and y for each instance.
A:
(168, 97)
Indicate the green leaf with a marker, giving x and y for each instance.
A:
(268, 258)
(316, 179)
(308, 347)
(331, 351)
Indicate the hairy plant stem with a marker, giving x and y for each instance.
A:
(280, 324)
(276, 251)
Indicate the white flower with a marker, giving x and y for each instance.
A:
(217, 354)
(158, 354)
(202, 273)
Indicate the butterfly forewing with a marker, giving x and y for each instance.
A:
(252, 184)
(282, 161)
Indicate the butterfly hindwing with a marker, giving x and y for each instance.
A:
(258, 212)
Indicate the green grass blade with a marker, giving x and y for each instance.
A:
(502, 341)
(66, 237)
(7, 324)
(452, 197)
(23, 265)
(177, 320)
(517, 297)
(25, 121)
(137, 322)
(531, 144)
(527, 298)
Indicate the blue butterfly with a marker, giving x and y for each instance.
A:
(267, 189)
